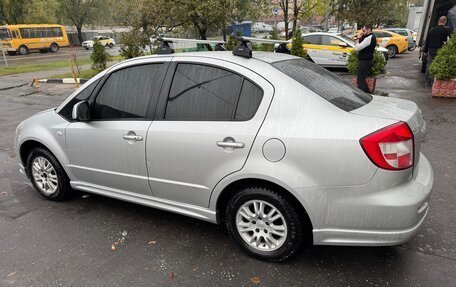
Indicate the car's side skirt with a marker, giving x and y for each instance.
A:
(150, 201)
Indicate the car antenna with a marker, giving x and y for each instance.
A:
(244, 48)
(165, 47)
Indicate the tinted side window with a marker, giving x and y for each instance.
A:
(249, 101)
(401, 32)
(82, 96)
(334, 89)
(386, 34)
(200, 92)
(57, 32)
(312, 39)
(127, 92)
(25, 32)
(330, 41)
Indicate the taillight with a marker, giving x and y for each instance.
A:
(391, 147)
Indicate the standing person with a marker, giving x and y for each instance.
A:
(365, 48)
(436, 37)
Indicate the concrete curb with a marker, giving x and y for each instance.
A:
(60, 81)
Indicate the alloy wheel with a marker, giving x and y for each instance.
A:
(44, 175)
(261, 225)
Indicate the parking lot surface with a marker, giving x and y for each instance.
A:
(97, 241)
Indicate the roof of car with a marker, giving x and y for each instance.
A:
(267, 57)
(322, 33)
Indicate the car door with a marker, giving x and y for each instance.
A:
(332, 53)
(209, 117)
(382, 38)
(108, 152)
(312, 43)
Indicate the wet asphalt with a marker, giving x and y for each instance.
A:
(70, 243)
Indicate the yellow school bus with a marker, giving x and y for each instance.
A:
(24, 38)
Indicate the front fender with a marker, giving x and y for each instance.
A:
(48, 129)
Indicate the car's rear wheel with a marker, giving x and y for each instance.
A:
(23, 50)
(111, 45)
(264, 224)
(54, 48)
(47, 175)
(12, 53)
(392, 51)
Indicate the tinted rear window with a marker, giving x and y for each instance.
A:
(324, 83)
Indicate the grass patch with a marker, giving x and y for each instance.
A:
(45, 66)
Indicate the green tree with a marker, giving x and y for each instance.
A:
(41, 11)
(295, 10)
(132, 44)
(371, 12)
(377, 67)
(444, 65)
(13, 11)
(296, 45)
(99, 57)
(81, 12)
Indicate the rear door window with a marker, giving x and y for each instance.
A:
(330, 41)
(201, 92)
(312, 39)
(324, 83)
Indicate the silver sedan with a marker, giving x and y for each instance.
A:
(276, 148)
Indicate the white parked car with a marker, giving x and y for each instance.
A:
(331, 50)
(105, 41)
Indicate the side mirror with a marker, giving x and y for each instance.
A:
(343, 44)
(81, 112)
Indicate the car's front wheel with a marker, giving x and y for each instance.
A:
(264, 224)
(111, 45)
(47, 175)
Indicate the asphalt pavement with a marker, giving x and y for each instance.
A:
(70, 243)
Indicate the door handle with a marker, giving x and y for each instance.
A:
(231, 144)
(132, 137)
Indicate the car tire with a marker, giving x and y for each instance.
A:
(54, 48)
(392, 51)
(23, 50)
(47, 175)
(110, 45)
(12, 53)
(273, 224)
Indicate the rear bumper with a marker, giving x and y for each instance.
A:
(374, 218)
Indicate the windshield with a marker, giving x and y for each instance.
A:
(324, 83)
(4, 33)
(348, 39)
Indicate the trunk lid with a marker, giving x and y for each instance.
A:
(400, 110)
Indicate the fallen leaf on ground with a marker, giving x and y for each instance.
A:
(171, 275)
(255, 280)
(11, 274)
(152, 242)
(195, 268)
(113, 246)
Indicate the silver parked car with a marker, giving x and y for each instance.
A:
(275, 147)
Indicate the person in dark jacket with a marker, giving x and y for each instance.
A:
(365, 48)
(436, 37)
